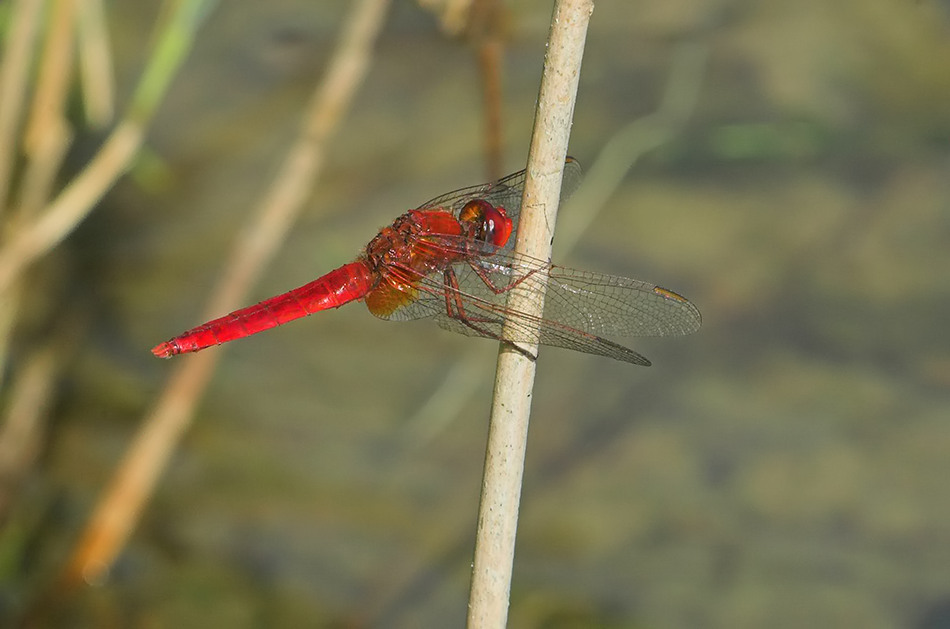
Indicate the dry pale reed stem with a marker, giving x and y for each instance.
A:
(511, 405)
(119, 509)
(20, 436)
(95, 56)
(464, 380)
(44, 162)
(14, 74)
(485, 31)
(55, 75)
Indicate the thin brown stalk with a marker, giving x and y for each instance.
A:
(480, 21)
(454, 14)
(490, 54)
(511, 405)
(133, 482)
(485, 33)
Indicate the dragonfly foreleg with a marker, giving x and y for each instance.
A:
(456, 309)
(482, 273)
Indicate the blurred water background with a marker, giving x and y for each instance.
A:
(786, 466)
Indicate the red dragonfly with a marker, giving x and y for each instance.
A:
(452, 259)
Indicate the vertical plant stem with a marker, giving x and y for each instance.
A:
(95, 56)
(24, 422)
(14, 76)
(511, 405)
(55, 75)
(485, 31)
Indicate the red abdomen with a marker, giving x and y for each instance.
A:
(345, 284)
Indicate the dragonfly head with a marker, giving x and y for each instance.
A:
(486, 222)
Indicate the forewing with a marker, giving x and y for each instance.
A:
(581, 307)
(617, 306)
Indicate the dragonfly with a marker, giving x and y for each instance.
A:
(452, 259)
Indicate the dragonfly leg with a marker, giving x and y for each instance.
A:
(456, 310)
(483, 274)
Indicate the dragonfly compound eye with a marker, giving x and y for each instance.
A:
(491, 224)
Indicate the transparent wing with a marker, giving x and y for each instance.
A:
(581, 307)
